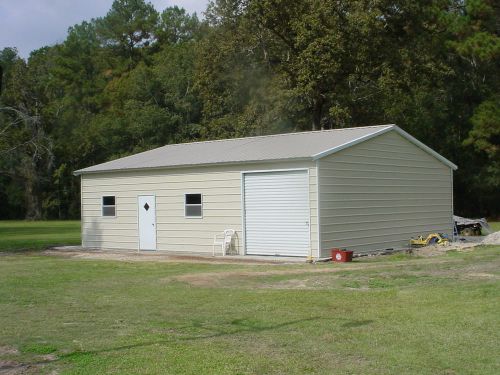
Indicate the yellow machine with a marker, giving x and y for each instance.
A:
(431, 239)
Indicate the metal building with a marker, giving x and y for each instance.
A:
(298, 194)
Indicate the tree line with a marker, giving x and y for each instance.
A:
(136, 79)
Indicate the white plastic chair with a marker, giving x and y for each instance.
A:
(223, 240)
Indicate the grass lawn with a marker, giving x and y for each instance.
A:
(34, 235)
(494, 225)
(398, 314)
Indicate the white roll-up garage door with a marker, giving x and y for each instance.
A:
(277, 213)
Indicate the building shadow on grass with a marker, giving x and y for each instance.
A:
(234, 327)
(197, 330)
(356, 323)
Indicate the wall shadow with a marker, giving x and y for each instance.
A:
(237, 326)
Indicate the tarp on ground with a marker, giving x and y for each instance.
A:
(465, 221)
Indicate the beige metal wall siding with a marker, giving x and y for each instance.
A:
(377, 194)
(222, 205)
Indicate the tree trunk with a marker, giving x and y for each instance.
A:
(32, 192)
(33, 210)
(317, 113)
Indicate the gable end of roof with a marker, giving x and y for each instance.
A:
(352, 143)
(398, 130)
(427, 149)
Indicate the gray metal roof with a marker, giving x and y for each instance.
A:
(301, 145)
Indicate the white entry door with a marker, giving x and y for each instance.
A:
(147, 222)
(277, 213)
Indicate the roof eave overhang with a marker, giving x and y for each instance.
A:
(389, 128)
(83, 171)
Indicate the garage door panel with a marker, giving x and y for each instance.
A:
(277, 213)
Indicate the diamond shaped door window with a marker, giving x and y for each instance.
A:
(146, 206)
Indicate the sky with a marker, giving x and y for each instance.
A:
(31, 24)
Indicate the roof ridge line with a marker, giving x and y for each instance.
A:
(274, 135)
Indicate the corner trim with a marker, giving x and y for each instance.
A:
(318, 213)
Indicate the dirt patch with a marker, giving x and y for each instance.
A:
(134, 256)
(483, 275)
(492, 239)
(225, 279)
(8, 350)
(290, 284)
(310, 276)
(13, 367)
(216, 279)
(17, 368)
(434, 250)
(220, 279)
(10, 367)
(46, 357)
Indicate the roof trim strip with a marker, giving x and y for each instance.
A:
(223, 163)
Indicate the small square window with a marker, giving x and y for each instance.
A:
(193, 205)
(109, 205)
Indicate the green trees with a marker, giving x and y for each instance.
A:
(475, 45)
(128, 28)
(135, 79)
(176, 26)
(26, 148)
